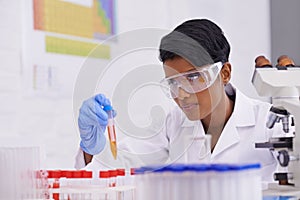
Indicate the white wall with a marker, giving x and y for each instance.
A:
(10, 66)
(246, 25)
(50, 121)
(285, 32)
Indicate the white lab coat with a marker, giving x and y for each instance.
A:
(180, 141)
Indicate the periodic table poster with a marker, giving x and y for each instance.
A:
(58, 35)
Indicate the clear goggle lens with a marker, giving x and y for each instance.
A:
(192, 81)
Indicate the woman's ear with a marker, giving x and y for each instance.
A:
(226, 72)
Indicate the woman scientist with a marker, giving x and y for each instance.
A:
(197, 74)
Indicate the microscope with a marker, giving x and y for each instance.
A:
(282, 84)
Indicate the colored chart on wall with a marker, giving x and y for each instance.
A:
(96, 21)
(59, 36)
(63, 17)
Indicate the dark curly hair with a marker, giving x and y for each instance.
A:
(200, 41)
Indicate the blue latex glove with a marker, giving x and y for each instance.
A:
(92, 123)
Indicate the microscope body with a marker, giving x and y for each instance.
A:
(282, 84)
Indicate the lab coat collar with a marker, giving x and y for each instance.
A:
(228, 137)
(243, 116)
(243, 110)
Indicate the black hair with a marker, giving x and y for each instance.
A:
(199, 40)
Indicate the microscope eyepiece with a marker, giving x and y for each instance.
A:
(285, 61)
(262, 61)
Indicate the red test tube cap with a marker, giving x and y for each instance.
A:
(113, 173)
(103, 174)
(87, 174)
(77, 174)
(121, 172)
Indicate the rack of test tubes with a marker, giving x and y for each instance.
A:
(199, 181)
(22, 178)
(87, 185)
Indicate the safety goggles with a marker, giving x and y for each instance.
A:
(192, 82)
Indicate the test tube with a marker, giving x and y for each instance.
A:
(55, 184)
(112, 177)
(121, 177)
(104, 178)
(129, 181)
(200, 175)
(179, 186)
(111, 130)
(43, 185)
(129, 177)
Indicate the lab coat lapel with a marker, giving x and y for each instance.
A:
(228, 138)
(242, 116)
